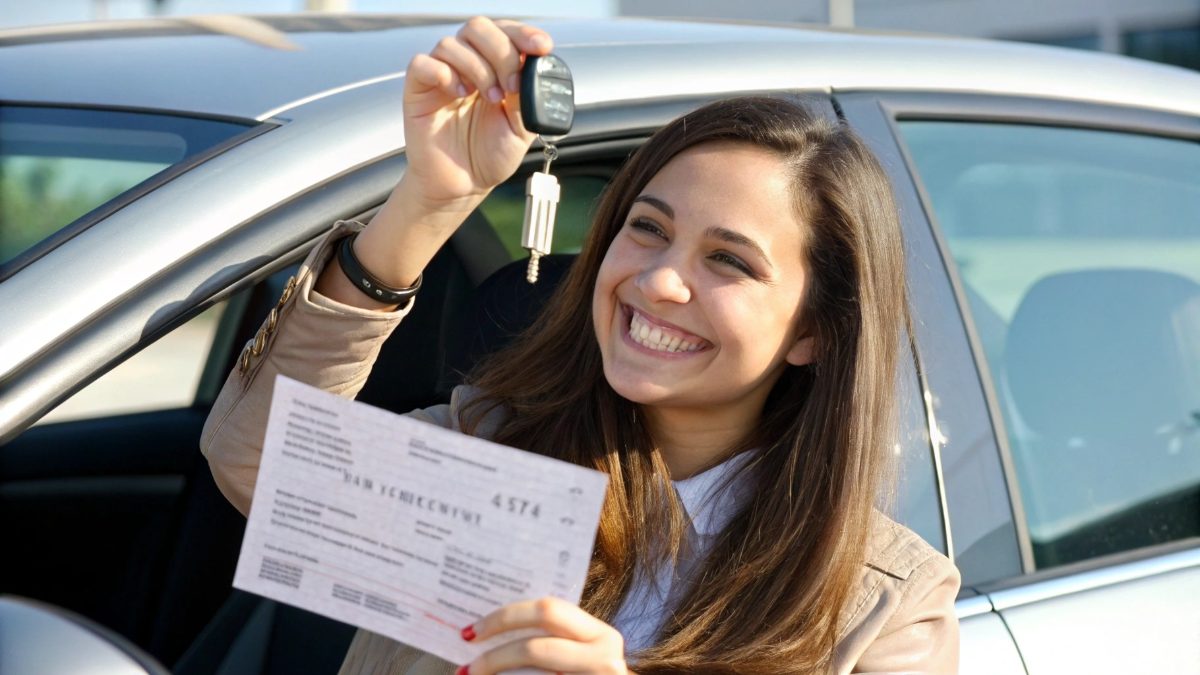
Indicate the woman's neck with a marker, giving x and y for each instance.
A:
(692, 440)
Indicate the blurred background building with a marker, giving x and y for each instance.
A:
(1160, 30)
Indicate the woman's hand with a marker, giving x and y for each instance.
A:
(575, 641)
(463, 137)
(462, 113)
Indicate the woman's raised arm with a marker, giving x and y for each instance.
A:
(463, 137)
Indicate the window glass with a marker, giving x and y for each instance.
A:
(1079, 250)
(162, 376)
(1089, 41)
(1176, 46)
(505, 209)
(57, 164)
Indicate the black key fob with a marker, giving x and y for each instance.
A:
(547, 95)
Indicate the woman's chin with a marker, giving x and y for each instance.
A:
(636, 389)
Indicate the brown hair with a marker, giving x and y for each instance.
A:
(770, 595)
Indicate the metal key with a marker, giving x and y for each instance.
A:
(541, 202)
(547, 108)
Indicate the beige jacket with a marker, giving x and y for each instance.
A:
(901, 618)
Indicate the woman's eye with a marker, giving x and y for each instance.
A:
(647, 226)
(726, 259)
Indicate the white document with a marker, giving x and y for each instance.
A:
(407, 529)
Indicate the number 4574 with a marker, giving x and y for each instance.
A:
(517, 505)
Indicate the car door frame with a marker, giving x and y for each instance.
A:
(950, 332)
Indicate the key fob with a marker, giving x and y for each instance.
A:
(547, 95)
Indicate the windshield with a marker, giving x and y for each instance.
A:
(58, 164)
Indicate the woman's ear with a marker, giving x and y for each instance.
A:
(803, 351)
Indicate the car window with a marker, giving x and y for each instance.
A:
(505, 209)
(1079, 253)
(164, 375)
(57, 164)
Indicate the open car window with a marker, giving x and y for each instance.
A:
(58, 164)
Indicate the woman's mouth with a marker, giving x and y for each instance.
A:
(653, 335)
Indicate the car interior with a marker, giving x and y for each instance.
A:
(1143, 444)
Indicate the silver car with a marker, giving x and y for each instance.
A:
(160, 179)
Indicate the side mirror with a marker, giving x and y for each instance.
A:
(41, 639)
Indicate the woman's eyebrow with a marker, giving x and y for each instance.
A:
(738, 239)
(656, 203)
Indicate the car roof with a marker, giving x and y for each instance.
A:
(258, 67)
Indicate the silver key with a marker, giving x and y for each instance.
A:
(541, 202)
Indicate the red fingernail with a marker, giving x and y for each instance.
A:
(462, 670)
(468, 634)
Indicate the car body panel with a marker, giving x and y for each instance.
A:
(1135, 617)
(255, 65)
(985, 644)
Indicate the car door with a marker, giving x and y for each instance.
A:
(1070, 240)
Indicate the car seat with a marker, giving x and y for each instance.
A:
(1103, 368)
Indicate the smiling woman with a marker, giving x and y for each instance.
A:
(725, 348)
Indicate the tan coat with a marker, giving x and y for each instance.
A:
(901, 618)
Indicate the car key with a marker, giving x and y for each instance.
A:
(547, 108)
(547, 95)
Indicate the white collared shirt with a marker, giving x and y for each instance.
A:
(709, 508)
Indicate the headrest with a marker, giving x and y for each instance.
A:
(1108, 354)
(504, 305)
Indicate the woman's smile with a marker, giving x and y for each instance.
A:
(651, 335)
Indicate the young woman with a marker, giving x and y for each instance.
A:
(724, 348)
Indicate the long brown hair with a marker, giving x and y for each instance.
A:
(769, 595)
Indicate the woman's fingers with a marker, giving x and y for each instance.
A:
(577, 642)
(553, 615)
(547, 653)
(529, 39)
(484, 56)
(429, 74)
(469, 65)
(497, 49)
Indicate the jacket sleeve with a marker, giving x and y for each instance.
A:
(307, 337)
(922, 635)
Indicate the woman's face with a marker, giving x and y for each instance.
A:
(697, 304)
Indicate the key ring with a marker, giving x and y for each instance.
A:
(549, 151)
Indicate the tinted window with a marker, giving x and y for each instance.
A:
(1177, 46)
(505, 209)
(57, 164)
(1080, 255)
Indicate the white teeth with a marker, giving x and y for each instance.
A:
(655, 338)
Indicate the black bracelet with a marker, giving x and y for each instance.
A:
(368, 284)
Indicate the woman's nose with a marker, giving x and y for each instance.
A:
(663, 283)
